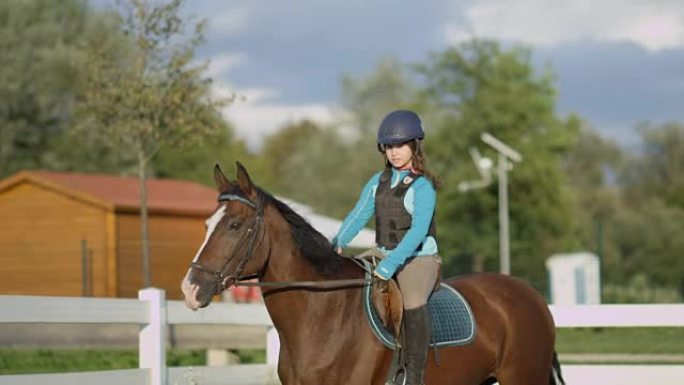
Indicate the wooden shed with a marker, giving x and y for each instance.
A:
(72, 234)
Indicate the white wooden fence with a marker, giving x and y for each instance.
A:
(620, 316)
(153, 313)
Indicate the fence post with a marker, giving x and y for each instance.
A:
(152, 336)
(272, 347)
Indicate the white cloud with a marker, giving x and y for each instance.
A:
(655, 24)
(254, 113)
(255, 116)
(220, 65)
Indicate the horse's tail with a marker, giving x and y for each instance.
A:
(556, 377)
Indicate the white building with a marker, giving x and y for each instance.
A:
(574, 279)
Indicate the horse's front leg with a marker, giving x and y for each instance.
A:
(286, 372)
(357, 367)
(371, 365)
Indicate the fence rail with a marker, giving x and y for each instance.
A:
(153, 313)
(30, 309)
(618, 315)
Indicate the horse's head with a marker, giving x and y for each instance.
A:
(232, 245)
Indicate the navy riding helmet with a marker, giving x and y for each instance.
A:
(399, 127)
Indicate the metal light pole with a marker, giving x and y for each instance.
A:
(504, 247)
(503, 166)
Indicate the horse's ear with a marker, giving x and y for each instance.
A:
(244, 182)
(222, 183)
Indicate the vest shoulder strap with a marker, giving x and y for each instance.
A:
(406, 182)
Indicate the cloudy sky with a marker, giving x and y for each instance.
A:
(618, 62)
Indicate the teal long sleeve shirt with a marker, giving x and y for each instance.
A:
(419, 201)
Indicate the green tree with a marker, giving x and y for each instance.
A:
(304, 153)
(40, 78)
(592, 166)
(650, 243)
(196, 162)
(278, 150)
(151, 97)
(626, 208)
(659, 170)
(646, 231)
(479, 87)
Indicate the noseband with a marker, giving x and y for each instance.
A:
(225, 281)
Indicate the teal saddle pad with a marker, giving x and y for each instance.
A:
(453, 323)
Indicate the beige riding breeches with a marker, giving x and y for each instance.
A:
(417, 280)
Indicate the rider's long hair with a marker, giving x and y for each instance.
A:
(419, 163)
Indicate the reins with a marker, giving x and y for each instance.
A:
(331, 284)
(225, 281)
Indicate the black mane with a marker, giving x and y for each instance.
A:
(314, 246)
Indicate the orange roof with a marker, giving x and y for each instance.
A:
(164, 195)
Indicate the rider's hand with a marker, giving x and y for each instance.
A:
(385, 269)
(377, 275)
(338, 249)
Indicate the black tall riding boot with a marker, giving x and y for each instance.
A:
(417, 334)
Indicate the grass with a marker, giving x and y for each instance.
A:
(251, 356)
(577, 341)
(620, 340)
(17, 361)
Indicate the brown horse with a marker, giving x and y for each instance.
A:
(325, 337)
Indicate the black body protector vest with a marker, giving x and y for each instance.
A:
(392, 221)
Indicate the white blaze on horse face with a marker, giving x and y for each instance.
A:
(211, 223)
(189, 290)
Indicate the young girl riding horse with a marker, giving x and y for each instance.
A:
(402, 197)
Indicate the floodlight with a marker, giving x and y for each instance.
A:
(484, 167)
(501, 147)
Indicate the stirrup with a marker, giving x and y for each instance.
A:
(400, 374)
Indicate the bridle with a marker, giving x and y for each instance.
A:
(235, 279)
(225, 281)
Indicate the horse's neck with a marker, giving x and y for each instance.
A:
(285, 259)
(295, 311)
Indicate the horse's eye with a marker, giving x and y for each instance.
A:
(235, 226)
